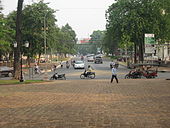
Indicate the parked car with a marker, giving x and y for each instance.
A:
(42, 60)
(98, 59)
(90, 58)
(79, 64)
(6, 71)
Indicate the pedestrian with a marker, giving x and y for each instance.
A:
(114, 74)
(36, 69)
(61, 63)
(54, 68)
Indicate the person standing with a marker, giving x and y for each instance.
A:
(114, 74)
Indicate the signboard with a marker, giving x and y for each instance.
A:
(149, 43)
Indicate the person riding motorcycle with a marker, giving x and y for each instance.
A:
(67, 64)
(89, 70)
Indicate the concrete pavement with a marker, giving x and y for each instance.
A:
(142, 103)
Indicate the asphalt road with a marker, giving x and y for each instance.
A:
(102, 71)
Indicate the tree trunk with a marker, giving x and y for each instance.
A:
(141, 58)
(17, 50)
(135, 56)
(29, 61)
(141, 49)
(39, 56)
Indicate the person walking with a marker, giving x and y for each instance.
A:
(36, 69)
(114, 74)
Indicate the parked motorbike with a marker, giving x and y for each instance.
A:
(87, 75)
(139, 74)
(57, 76)
(149, 74)
(133, 75)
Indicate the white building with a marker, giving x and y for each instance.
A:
(163, 51)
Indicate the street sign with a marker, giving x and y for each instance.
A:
(149, 43)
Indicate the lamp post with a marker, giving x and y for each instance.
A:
(26, 44)
(45, 46)
(45, 42)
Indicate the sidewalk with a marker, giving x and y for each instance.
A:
(94, 103)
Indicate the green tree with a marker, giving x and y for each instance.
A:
(134, 18)
(68, 39)
(38, 27)
(96, 41)
(4, 38)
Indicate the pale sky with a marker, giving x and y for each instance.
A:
(84, 16)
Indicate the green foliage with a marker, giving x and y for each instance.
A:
(4, 47)
(38, 25)
(35, 16)
(5, 38)
(129, 20)
(67, 39)
(95, 44)
(96, 41)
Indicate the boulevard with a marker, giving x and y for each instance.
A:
(102, 71)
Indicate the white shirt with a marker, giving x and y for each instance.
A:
(113, 71)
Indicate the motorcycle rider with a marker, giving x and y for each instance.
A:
(67, 64)
(89, 70)
(54, 68)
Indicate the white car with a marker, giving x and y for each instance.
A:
(90, 58)
(79, 64)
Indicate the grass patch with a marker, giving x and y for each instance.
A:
(9, 82)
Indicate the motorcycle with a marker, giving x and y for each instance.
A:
(87, 75)
(140, 74)
(149, 74)
(57, 76)
(133, 75)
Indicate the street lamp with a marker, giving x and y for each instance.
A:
(26, 44)
(45, 45)
(45, 28)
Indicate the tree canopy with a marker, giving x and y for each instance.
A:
(129, 20)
